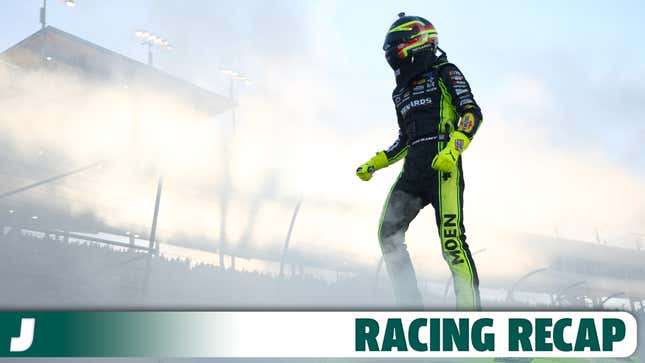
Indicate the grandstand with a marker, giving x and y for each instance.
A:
(51, 49)
(51, 64)
(81, 68)
(45, 271)
(563, 273)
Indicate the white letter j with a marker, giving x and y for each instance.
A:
(23, 342)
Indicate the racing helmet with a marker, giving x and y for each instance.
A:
(407, 37)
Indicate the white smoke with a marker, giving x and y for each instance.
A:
(294, 125)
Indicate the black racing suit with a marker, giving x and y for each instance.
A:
(428, 110)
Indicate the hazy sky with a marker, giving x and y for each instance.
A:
(561, 85)
(588, 55)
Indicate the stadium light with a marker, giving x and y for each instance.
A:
(11, 211)
(34, 217)
(234, 74)
(43, 11)
(152, 40)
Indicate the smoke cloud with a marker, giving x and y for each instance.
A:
(295, 136)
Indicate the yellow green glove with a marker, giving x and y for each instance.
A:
(379, 161)
(446, 159)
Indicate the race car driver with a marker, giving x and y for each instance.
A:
(437, 119)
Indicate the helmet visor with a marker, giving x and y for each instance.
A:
(395, 38)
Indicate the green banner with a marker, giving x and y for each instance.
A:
(111, 334)
(318, 334)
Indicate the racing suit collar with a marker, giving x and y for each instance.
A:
(422, 63)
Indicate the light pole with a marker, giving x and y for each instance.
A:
(509, 295)
(285, 249)
(43, 15)
(234, 77)
(151, 40)
(43, 11)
